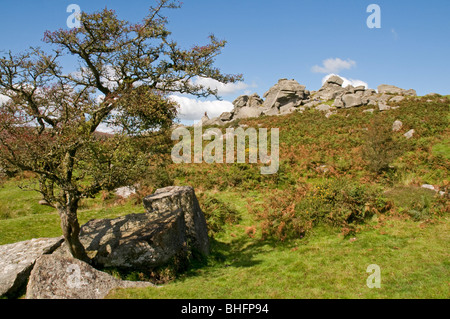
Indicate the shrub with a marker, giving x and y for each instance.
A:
(217, 213)
(279, 219)
(425, 208)
(338, 203)
(341, 203)
(381, 145)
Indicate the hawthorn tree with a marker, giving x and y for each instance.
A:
(124, 75)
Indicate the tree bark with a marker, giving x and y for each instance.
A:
(71, 231)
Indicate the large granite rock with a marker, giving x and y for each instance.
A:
(17, 261)
(247, 106)
(286, 94)
(173, 227)
(56, 277)
(351, 100)
(182, 200)
(248, 112)
(203, 121)
(331, 89)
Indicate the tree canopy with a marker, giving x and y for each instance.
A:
(124, 75)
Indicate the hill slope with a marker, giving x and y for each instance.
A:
(312, 229)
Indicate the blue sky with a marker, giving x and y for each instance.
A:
(273, 39)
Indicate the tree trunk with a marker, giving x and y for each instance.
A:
(71, 231)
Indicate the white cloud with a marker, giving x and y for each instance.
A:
(223, 89)
(333, 66)
(193, 110)
(347, 82)
(3, 99)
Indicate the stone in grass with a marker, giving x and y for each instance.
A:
(17, 261)
(409, 134)
(56, 277)
(174, 227)
(397, 126)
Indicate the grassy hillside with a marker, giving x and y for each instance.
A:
(312, 229)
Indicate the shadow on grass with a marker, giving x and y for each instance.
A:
(241, 252)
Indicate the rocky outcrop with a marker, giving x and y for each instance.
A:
(247, 106)
(17, 261)
(284, 97)
(349, 97)
(136, 241)
(351, 100)
(391, 89)
(331, 89)
(56, 277)
(173, 227)
(288, 96)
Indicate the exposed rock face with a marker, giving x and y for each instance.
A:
(335, 80)
(254, 101)
(286, 94)
(137, 241)
(248, 112)
(391, 89)
(56, 277)
(351, 100)
(331, 89)
(247, 106)
(182, 200)
(283, 98)
(226, 116)
(173, 226)
(18, 259)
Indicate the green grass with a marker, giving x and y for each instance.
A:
(16, 201)
(23, 218)
(414, 263)
(405, 196)
(442, 149)
(413, 257)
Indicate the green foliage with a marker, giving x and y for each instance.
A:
(338, 203)
(72, 159)
(418, 203)
(442, 149)
(341, 203)
(381, 145)
(218, 213)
